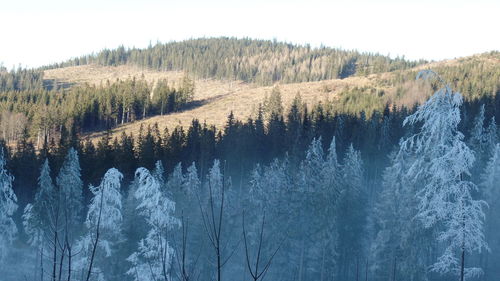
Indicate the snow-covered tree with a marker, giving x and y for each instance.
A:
(478, 138)
(491, 176)
(332, 186)
(8, 205)
(269, 184)
(490, 184)
(153, 258)
(176, 179)
(191, 184)
(399, 247)
(103, 223)
(351, 213)
(491, 137)
(70, 195)
(159, 174)
(312, 167)
(442, 162)
(331, 169)
(39, 217)
(214, 211)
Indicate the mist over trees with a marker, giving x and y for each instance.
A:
(295, 194)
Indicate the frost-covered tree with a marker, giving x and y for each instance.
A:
(272, 191)
(159, 174)
(490, 184)
(491, 176)
(39, 217)
(153, 258)
(331, 169)
(214, 212)
(478, 139)
(191, 184)
(491, 137)
(312, 167)
(188, 246)
(398, 249)
(70, 196)
(176, 179)
(8, 205)
(36, 217)
(351, 213)
(442, 162)
(103, 223)
(328, 207)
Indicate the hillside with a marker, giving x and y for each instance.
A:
(257, 61)
(173, 83)
(214, 99)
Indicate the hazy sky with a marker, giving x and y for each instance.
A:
(36, 32)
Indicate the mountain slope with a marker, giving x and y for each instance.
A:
(214, 99)
(257, 61)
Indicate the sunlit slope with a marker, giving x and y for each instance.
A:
(215, 99)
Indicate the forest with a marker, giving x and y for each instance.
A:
(405, 193)
(39, 108)
(260, 61)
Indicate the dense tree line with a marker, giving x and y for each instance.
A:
(260, 61)
(42, 113)
(335, 193)
(21, 79)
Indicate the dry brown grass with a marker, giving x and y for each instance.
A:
(217, 98)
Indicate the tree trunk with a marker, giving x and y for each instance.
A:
(69, 262)
(61, 262)
(301, 265)
(54, 258)
(218, 264)
(394, 270)
(462, 266)
(366, 270)
(357, 268)
(41, 263)
(323, 264)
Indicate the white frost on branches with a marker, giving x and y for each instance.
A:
(8, 205)
(441, 162)
(103, 222)
(153, 259)
(37, 217)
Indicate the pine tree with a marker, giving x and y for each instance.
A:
(491, 192)
(441, 163)
(153, 258)
(70, 195)
(39, 217)
(103, 223)
(351, 214)
(8, 205)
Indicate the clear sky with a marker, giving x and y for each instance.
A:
(39, 32)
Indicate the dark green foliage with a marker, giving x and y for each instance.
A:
(260, 61)
(89, 108)
(21, 79)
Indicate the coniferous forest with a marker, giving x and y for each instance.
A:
(325, 192)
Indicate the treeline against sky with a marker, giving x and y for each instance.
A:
(40, 108)
(259, 61)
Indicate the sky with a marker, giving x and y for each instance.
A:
(35, 33)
